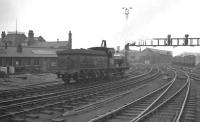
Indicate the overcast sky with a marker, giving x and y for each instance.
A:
(94, 20)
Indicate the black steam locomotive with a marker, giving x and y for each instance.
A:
(75, 65)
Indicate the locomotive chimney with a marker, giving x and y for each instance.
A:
(3, 35)
(6, 45)
(70, 40)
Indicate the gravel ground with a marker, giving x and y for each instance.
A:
(15, 81)
(196, 85)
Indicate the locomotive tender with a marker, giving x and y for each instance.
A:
(75, 65)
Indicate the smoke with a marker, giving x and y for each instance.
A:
(7, 10)
(141, 17)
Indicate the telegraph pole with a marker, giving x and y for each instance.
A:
(126, 11)
(126, 47)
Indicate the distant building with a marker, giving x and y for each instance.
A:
(29, 59)
(58, 44)
(196, 55)
(30, 54)
(54, 44)
(133, 56)
(155, 56)
(12, 38)
(19, 38)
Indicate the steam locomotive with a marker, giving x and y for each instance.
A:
(76, 65)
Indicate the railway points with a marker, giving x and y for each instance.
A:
(133, 112)
(113, 105)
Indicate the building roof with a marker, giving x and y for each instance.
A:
(27, 52)
(55, 44)
(187, 54)
(36, 40)
(15, 38)
(162, 52)
(81, 52)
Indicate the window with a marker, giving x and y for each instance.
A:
(28, 61)
(1, 62)
(36, 61)
(8, 61)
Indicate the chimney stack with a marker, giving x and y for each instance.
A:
(19, 48)
(30, 37)
(70, 40)
(30, 34)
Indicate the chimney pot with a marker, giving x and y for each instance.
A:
(30, 37)
(30, 34)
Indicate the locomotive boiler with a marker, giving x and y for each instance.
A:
(76, 65)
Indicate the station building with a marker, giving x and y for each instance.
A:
(30, 54)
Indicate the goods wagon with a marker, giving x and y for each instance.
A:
(75, 65)
(188, 60)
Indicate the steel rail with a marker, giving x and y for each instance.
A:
(9, 115)
(184, 102)
(67, 91)
(148, 113)
(114, 112)
(33, 87)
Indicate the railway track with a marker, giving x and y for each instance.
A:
(11, 95)
(189, 112)
(42, 88)
(171, 109)
(136, 110)
(10, 110)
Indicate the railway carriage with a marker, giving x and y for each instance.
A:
(85, 64)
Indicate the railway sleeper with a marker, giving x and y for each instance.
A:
(59, 109)
(58, 120)
(32, 116)
(47, 112)
(17, 120)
